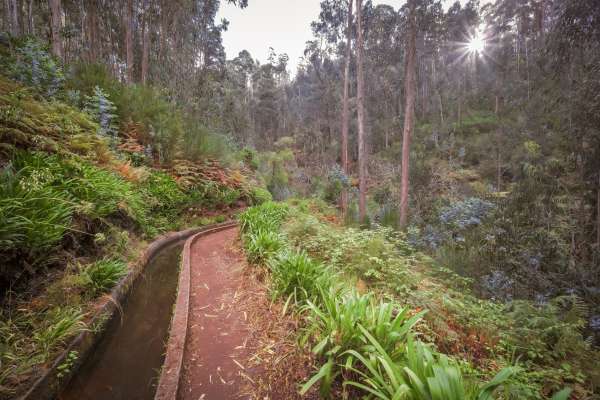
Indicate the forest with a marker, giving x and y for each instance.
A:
(410, 212)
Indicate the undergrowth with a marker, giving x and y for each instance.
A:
(368, 345)
(87, 175)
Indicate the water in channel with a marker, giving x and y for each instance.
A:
(126, 363)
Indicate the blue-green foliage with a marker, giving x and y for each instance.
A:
(35, 67)
(103, 110)
(453, 222)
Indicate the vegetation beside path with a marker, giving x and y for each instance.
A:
(387, 322)
(83, 187)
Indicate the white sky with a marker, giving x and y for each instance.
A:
(281, 24)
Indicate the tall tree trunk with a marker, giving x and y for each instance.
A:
(598, 214)
(55, 27)
(362, 153)
(30, 25)
(409, 114)
(146, 42)
(92, 30)
(13, 17)
(129, 39)
(346, 108)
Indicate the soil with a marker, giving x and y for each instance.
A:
(239, 345)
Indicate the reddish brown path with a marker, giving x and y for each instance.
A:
(217, 333)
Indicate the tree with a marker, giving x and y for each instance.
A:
(346, 107)
(360, 87)
(12, 9)
(409, 111)
(145, 42)
(128, 22)
(55, 27)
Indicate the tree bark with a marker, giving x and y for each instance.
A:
(129, 40)
(362, 154)
(30, 23)
(92, 30)
(409, 113)
(346, 108)
(13, 15)
(146, 42)
(55, 27)
(598, 214)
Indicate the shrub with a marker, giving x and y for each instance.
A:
(102, 275)
(33, 214)
(421, 375)
(103, 110)
(35, 67)
(262, 245)
(267, 216)
(102, 193)
(337, 323)
(161, 193)
(259, 195)
(299, 278)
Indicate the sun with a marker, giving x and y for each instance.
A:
(476, 44)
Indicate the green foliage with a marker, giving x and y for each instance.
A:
(33, 214)
(34, 66)
(61, 324)
(262, 245)
(65, 367)
(102, 275)
(103, 110)
(259, 195)
(299, 278)
(250, 158)
(266, 217)
(162, 194)
(337, 324)
(274, 170)
(347, 327)
(421, 375)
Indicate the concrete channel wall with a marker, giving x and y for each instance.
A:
(49, 385)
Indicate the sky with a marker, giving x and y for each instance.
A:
(281, 24)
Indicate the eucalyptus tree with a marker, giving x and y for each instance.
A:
(360, 111)
(409, 110)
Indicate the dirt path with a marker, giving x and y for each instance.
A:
(239, 345)
(216, 332)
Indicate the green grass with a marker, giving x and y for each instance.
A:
(33, 216)
(102, 275)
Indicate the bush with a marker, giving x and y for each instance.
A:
(259, 195)
(262, 245)
(162, 194)
(338, 322)
(103, 110)
(102, 275)
(299, 278)
(33, 214)
(35, 67)
(266, 217)
(421, 375)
